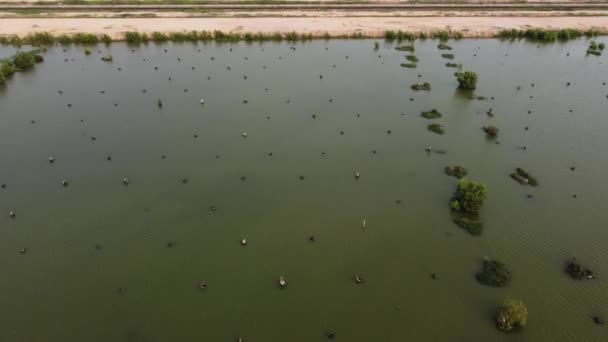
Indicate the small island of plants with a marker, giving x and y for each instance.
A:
(466, 80)
(435, 128)
(512, 314)
(523, 177)
(455, 171)
(431, 114)
(426, 86)
(577, 271)
(494, 273)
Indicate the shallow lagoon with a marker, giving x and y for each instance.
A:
(65, 289)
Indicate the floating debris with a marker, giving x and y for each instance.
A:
(282, 282)
(243, 242)
(358, 279)
(125, 181)
(64, 183)
(12, 214)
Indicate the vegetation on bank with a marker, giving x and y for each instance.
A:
(466, 79)
(19, 62)
(512, 314)
(543, 35)
(46, 38)
(494, 273)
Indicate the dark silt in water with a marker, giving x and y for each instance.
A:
(105, 261)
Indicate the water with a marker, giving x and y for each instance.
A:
(65, 289)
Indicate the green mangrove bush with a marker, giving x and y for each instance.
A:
(435, 128)
(513, 313)
(494, 273)
(431, 114)
(466, 79)
(426, 86)
(469, 197)
(456, 171)
(471, 225)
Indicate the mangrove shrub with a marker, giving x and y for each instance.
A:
(513, 313)
(466, 79)
(494, 273)
(469, 197)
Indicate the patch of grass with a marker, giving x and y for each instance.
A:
(447, 55)
(594, 48)
(376, 45)
(452, 65)
(87, 52)
(431, 114)
(426, 86)
(409, 65)
(435, 128)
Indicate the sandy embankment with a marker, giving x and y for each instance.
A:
(370, 26)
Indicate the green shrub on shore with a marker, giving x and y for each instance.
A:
(19, 62)
(39, 38)
(159, 37)
(133, 37)
(85, 38)
(399, 35)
